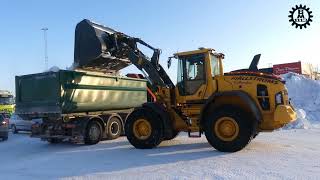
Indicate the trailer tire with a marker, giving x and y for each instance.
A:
(229, 129)
(93, 133)
(143, 129)
(114, 128)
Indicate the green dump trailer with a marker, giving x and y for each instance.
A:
(77, 106)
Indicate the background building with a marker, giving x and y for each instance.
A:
(307, 69)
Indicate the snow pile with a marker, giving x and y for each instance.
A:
(72, 67)
(305, 97)
(53, 69)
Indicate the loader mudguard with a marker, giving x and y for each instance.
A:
(164, 116)
(235, 98)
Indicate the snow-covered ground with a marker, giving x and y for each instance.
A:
(289, 154)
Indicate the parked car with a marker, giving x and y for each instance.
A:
(18, 124)
(4, 126)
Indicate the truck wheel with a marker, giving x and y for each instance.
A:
(93, 133)
(14, 129)
(143, 129)
(229, 129)
(114, 126)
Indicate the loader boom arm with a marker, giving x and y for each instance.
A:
(100, 47)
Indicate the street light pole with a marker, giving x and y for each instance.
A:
(45, 47)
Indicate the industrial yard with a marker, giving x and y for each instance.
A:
(159, 90)
(294, 151)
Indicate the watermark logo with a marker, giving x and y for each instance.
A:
(300, 16)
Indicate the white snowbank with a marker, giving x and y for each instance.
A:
(53, 69)
(72, 67)
(305, 97)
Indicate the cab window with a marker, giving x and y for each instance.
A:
(215, 69)
(192, 72)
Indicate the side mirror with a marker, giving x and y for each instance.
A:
(169, 62)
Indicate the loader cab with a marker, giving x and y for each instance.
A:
(196, 72)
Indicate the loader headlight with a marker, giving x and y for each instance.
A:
(279, 98)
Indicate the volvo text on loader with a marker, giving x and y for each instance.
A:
(229, 108)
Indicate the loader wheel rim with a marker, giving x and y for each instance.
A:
(226, 128)
(142, 129)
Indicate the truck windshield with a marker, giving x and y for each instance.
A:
(6, 100)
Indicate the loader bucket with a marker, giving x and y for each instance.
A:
(93, 48)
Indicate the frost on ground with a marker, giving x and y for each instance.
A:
(290, 154)
(305, 97)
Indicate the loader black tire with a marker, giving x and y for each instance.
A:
(114, 128)
(242, 126)
(174, 135)
(144, 119)
(93, 133)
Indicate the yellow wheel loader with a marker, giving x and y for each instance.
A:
(229, 108)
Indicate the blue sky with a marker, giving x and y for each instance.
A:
(239, 29)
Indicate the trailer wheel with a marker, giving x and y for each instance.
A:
(143, 129)
(93, 133)
(229, 129)
(114, 128)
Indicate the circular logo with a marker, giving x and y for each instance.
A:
(300, 16)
